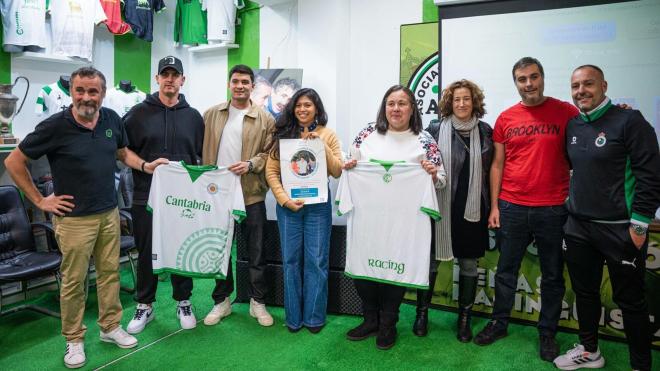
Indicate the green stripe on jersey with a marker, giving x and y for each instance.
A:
(386, 164)
(432, 213)
(596, 115)
(629, 185)
(195, 171)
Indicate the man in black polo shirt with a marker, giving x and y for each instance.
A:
(81, 144)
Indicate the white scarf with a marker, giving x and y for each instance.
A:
(443, 249)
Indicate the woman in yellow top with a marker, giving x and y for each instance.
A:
(304, 229)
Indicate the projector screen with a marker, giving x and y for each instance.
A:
(623, 38)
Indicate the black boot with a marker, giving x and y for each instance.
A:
(386, 330)
(467, 288)
(369, 327)
(421, 325)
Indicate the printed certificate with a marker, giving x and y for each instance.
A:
(304, 170)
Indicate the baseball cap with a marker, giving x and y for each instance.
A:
(170, 62)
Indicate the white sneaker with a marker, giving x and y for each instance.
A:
(120, 337)
(185, 314)
(218, 312)
(578, 357)
(143, 315)
(74, 357)
(258, 311)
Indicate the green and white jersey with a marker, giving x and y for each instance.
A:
(388, 205)
(194, 209)
(221, 16)
(24, 22)
(190, 22)
(52, 99)
(121, 101)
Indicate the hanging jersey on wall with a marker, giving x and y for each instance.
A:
(51, 99)
(190, 22)
(221, 17)
(73, 24)
(114, 22)
(194, 209)
(24, 22)
(139, 14)
(121, 101)
(388, 205)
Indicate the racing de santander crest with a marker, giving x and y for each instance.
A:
(424, 84)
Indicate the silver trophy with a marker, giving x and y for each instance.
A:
(8, 110)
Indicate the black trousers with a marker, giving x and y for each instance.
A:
(253, 230)
(588, 246)
(377, 296)
(147, 282)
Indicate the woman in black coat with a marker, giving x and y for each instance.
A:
(466, 145)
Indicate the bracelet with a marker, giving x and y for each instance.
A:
(142, 166)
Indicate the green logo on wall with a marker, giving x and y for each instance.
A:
(424, 84)
(203, 251)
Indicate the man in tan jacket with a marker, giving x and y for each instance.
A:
(236, 135)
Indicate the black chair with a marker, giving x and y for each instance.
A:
(19, 259)
(127, 242)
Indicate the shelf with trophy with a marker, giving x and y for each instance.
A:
(8, 103)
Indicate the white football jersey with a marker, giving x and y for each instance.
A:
(121, 101)
(221, 17)
(388, 205)
(194, 209)
(51, 99)
(73, 24)
(24, 22)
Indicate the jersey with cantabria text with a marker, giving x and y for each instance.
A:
(388, 206)
(221, 16)
(24, 22)
(72, 23)
(535, 165)
(194, 209)
(51, 99)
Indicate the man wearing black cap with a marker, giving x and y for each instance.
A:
(164, 125)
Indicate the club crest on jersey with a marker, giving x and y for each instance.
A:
(212, 188)
(601, 140)
(574, 140)
(108, 133)
(387, 177)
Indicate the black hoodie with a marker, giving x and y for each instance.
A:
(155, 130)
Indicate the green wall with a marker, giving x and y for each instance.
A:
(5, 62)
(133, 61)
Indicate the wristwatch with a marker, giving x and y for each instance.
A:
(639, 230)
(250, 166)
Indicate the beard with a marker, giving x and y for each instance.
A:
(87, 110)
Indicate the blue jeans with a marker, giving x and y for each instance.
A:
(519, 226)
(305, 241)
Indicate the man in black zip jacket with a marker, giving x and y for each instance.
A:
(164, 125)
(614, 193)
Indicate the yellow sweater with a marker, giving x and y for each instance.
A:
(332, 158)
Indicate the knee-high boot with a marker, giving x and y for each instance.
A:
(467, 289)
(421, 325)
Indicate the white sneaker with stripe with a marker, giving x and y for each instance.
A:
(578, 357)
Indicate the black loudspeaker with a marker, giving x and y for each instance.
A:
(337, 258)
(342, 296)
